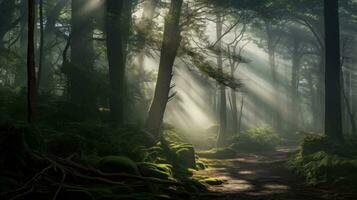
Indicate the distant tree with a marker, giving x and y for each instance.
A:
(333, 104)
(222, 88)
(170, 44)
(31, 71)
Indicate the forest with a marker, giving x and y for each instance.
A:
(178, 99)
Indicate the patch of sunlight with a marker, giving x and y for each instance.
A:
(273, 186)
(246, 172)
(92, 5)
(190, 109)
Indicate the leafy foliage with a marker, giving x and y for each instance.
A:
(321, 160)
(256, 139)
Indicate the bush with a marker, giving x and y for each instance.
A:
(322, 160)
(255, 139)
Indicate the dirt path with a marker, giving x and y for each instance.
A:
(262, 176)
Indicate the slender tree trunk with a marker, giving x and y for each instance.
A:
(276, 120)
(349, 115)
(313, 101)
(40, 59)
(171, 43)
(333, 113)
(82, 55)
(240, 115)
(295, 87)
(116, 59)
(31, 71)
(234, 106)
(222, 107)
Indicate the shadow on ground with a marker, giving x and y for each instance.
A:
(263, 176)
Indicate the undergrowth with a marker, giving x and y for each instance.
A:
(323, 161)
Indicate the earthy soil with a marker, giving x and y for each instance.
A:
(264, 176)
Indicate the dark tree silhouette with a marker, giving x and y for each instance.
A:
(333, 113)
(116, 59)
(31, 72)
(171, 43)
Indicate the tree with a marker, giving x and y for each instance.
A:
(31, 72)
(51, 13)
(222, 89)
(116, 59)
(333, 113)
(170, 44)
(82, 55)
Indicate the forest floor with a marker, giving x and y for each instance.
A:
(264, 176)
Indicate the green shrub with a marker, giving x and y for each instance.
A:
(256, 139)
(321, 159)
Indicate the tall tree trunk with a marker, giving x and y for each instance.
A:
(222, 107)
(313, 100)
(296, 57)
(40, 59)
(171, 43)
(116, 59)
(333, 113)
(31, 71)
(234, 106)
(82, 55)
(276, 119)
(240, 115)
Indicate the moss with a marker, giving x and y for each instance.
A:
(212, 181)
(187, 156)
(162, 171)
(118, 164)
(200, 165)
(319, 161)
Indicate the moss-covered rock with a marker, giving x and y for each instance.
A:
(187, 156)
(118, 164)
(212, 181)
(177, 151)
(200, 165)
(162, 171)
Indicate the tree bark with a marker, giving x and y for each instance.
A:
(333, 113)
(82, 55)
(31, 72)
(171, 43)
(222, 107)
(40, 59)
(116, 59)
